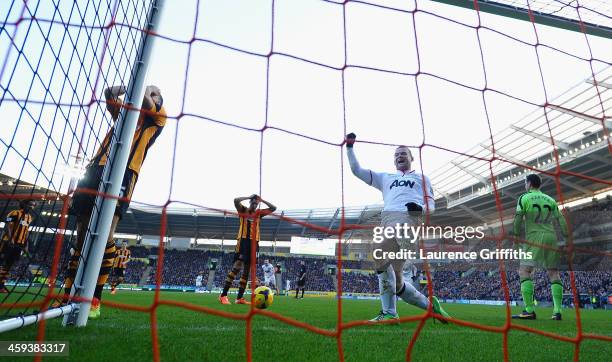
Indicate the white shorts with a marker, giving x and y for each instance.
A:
(389, 219)
(393, 218)
(198, 285)
(270, 280)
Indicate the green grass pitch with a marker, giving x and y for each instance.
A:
(186, 335)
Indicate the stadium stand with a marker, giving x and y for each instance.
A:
(457, 280)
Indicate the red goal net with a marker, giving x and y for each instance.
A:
(482, 92)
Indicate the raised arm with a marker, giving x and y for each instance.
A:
(113, 103)
(238, 202)
(152, 98)
(271, 208)
(368, 176)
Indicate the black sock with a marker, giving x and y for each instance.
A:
(229, 280)
(98, 292)
(303, 292)
(297, 292)
(240, 292)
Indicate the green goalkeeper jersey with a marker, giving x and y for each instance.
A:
(538, 211)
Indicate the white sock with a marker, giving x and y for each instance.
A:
(386, 286)
(412, 296)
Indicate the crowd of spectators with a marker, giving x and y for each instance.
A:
(450, 280)
(458, 280)
(592, 220)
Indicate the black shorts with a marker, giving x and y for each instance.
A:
(243, 251)
(301, 283)
(119, 272)
(9, 254)
(83, 203)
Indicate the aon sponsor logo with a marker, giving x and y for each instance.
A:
(405, 183)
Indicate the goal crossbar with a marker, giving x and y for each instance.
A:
(519, 13)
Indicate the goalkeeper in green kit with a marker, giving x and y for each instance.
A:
(537, 212)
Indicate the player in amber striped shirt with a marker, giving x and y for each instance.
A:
(150, 125)
(248, 234)
(122, 257)
(14, 239)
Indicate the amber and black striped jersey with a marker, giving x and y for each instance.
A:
(16, 224)
(150, 125)
(249, 225)
(121, 258)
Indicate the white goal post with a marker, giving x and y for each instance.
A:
(100, 222)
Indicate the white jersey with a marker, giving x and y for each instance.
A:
(268, 270)
(398, 189)
(199, 280)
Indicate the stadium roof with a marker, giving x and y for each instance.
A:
(574, 125)
(571, 126)
(575, 120)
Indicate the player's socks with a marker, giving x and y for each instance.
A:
(412, 296)
(105, 268)
(303, 293)
(242, 288)
(228, 281)
(527, 292)
(556, 288)
(297, 292)
(386, 286)
(98, 291)
(73, 264)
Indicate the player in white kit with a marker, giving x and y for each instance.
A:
(199, 279)
(407, 195)
(268, 270)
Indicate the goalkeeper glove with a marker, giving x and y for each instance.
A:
(350, 139)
